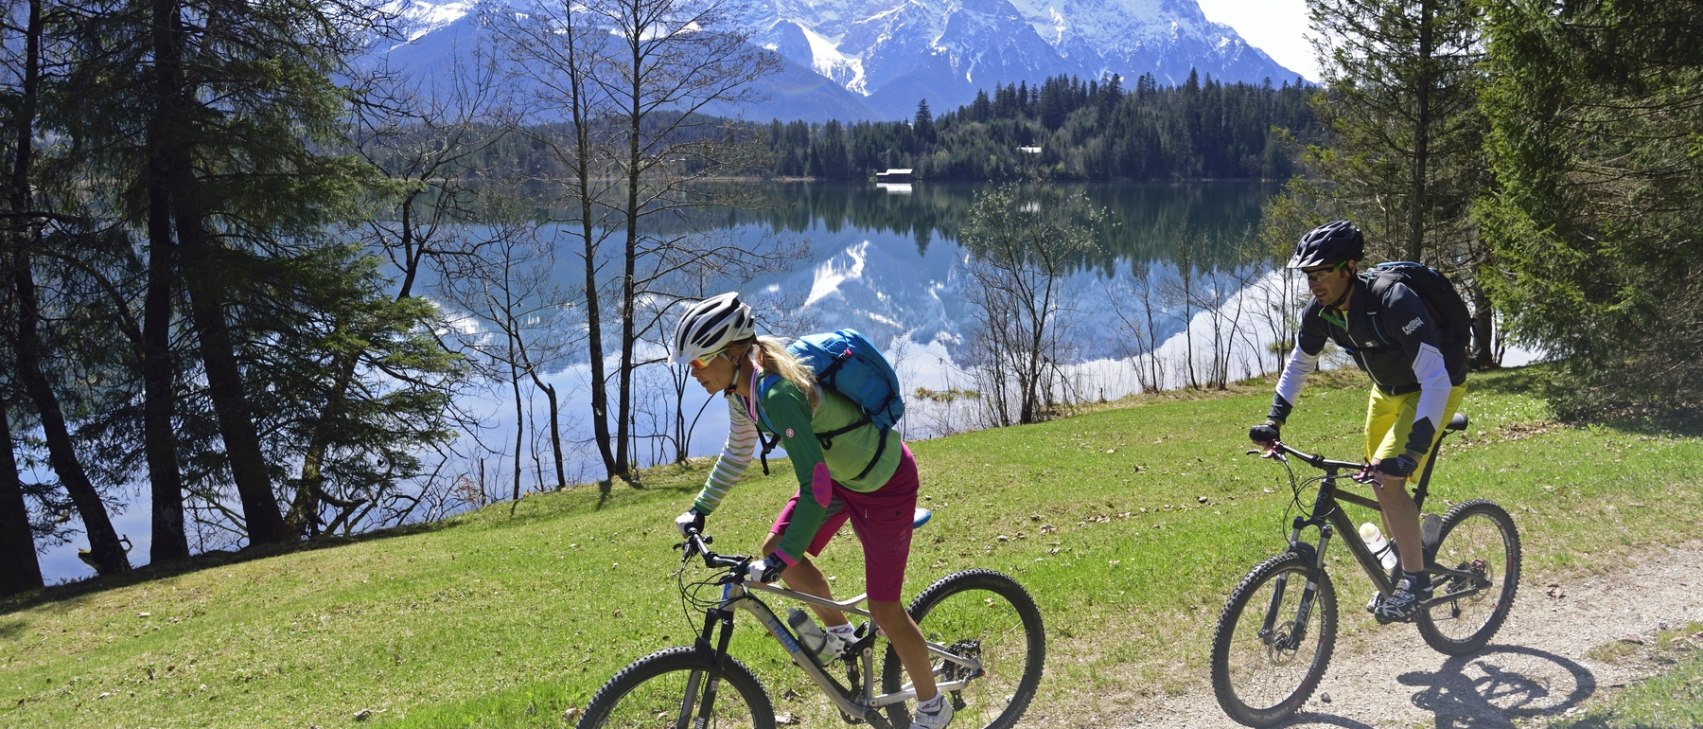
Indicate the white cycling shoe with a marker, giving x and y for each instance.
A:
(933, 720)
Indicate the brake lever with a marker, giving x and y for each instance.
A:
(688, 546)
(1271, 452)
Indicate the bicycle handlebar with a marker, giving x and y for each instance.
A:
(1277, 449)
(698, 544)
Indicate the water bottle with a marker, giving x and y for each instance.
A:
(810, 635)
(1381, 547)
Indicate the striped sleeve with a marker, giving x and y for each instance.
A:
(735, 457)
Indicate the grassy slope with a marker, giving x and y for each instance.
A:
(1128, 524)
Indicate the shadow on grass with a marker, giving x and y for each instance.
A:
(206, 560)
(533, 507)
(1676, 418)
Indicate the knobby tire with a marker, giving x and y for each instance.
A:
(1479, 537)
(1264, 680)
(653, 689)
(990, 615)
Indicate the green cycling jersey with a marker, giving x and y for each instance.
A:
(784, 411)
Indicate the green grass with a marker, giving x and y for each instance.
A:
(1672, 699)
(1128, 524)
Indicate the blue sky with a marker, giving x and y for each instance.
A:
(1277, 27)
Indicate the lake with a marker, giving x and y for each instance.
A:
(1164, 304)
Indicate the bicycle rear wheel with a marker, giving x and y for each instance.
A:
(1478, 541)
(667, 689)
(984, 615)
(1274, 639)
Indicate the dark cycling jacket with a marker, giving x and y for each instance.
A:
(1392, 339)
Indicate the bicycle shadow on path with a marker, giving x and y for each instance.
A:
(1491, 688)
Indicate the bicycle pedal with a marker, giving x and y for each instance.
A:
(1387, 621)
(865, 637)
(1430, 532)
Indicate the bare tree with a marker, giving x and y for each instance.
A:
(1024, 241)
(425, 147)
(526, 329)
(1142, 324)
(630, 80)
(1181, 292)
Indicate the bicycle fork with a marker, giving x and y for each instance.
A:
(1271, 632)
(711, 683)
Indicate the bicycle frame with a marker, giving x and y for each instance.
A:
(865, 705)
(1329, 518)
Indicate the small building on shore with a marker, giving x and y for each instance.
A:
(894, 174)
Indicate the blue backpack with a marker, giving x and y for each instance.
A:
(847, 363)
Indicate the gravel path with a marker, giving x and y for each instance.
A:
(1535, 670)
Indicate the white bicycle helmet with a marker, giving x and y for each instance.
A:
(709, 326)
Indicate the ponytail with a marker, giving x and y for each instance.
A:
(773, 358)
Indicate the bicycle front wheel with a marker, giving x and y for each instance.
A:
(987, 616)
(1274, 640)
(669, 689)
(1479, 545)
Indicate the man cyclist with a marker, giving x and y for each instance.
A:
(1417, 384)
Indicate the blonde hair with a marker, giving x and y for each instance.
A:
(773, 358)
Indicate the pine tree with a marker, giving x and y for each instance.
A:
(1594, 111)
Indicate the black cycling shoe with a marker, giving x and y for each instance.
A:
(1402, 604)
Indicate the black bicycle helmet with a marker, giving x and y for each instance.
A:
(1331, 243)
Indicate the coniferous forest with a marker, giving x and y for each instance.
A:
(1067, 129)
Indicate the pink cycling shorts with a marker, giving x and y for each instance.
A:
(882, 521)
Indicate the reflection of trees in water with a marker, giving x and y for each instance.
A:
(1150, 218)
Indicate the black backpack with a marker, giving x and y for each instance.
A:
(1445, 305)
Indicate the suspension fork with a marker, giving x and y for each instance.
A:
(1324, 504)
(713, 618)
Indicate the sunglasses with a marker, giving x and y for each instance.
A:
(703, 361)
(1314, 274)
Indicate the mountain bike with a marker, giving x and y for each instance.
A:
(1277, 630)
(983, 632)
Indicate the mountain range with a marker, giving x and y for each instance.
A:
(877, 59)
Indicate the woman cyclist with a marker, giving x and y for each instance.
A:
(768, 389)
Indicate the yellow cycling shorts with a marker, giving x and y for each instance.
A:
(1389, 418)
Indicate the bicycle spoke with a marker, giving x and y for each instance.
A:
(989, 620)
(667, 691)
(1273, 641)
(1480, 551)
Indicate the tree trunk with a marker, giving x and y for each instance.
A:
(1483, 353)
(168, 541)
(104, 547)
(629, 278)
(171, 174)
(1416, 203)
(303, 517)
(19, 568)
(225, 385)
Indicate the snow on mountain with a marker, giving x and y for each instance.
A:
(876, 59)
(415, 18)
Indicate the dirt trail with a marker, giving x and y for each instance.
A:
(1536, 670)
